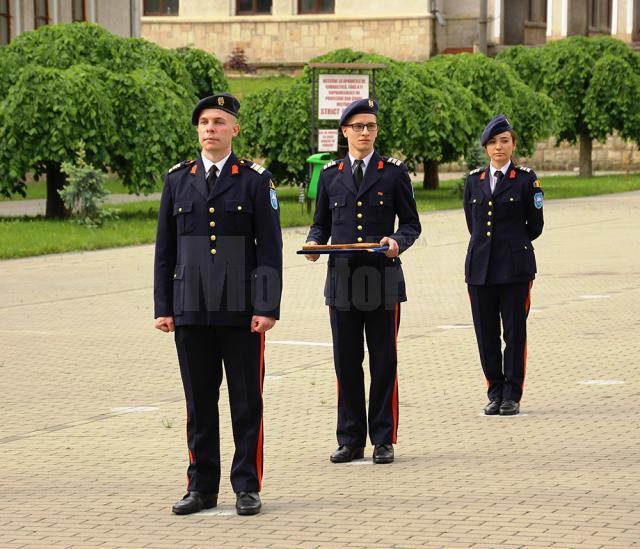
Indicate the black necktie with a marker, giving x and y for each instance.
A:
(358, 172)
(212, 177)
(498, 176)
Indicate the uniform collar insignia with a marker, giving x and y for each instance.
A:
(380, 164)
(483, 175)
(194, 169)
(234, 169)
(340, 166)
(512, 174)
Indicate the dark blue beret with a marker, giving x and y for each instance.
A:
(223, 101)
(496, 125)
(367, 106)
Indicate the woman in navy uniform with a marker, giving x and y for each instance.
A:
(218, 272)
(503, 209)
(359, 199)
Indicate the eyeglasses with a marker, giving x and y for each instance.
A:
(359, 128)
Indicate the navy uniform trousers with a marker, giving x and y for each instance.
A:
(504, 372)
(202, 350)
(499, 270)
(381, 329)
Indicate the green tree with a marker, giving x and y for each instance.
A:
(593, 82)
(435, 119)
(206, 70)
(128, 100)
(502, 91)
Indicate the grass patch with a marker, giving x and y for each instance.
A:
(240, 86)
(22, 237)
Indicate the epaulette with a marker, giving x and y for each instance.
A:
(329, 164)
(181, 165)
(524, 169)
(477, 170)
(392, 160)
(255, 167)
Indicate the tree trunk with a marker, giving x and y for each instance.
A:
(586, 164)
(55, 181)
(431, 180)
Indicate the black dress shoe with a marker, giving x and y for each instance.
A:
(492, 408)
(345, 453)
(194, 502)
(509, 408)
(383, 453)
(248, 503)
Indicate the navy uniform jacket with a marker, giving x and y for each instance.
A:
(502, 226)
(218, 257)
(367, 215)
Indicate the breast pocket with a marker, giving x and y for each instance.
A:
(381, 209)
(239, 214)
(183, 214)
(337, 205)
(476, 204)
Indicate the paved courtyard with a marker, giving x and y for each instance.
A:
(92, 437)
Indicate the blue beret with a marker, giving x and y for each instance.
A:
(223, 101)
(368, 106)
(496, 125)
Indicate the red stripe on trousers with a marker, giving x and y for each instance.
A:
(259, 463)
(394, 400)
(527, 306)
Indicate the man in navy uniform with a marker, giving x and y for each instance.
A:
(218, 272)
(503, 209)
(358, 200)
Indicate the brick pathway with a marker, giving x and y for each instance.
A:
(92, 442)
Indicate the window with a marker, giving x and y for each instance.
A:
(316, 6)
(41, 11)
(78, 11)
(537, 11)
(599, 15)
(5, 22)
(253, 7)
(161, 7)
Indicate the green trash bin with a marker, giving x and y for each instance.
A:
(317, 161)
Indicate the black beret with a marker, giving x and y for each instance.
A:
(368, 106)
(223, 101)
(496, 125)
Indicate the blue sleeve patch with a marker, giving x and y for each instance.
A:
(538, 200)
(273, 198)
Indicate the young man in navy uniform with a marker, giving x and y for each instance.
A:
(358, 200)
(218, 272)
(503, 209)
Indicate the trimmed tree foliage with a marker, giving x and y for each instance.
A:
(435, 119)
(593, 82)
(128, 100)
(499, 87)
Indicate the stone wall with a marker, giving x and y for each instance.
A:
(271, 40)
(614, 155)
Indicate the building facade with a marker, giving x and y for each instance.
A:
(293, 31)
(118, 16)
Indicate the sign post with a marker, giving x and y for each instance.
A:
(333, 87)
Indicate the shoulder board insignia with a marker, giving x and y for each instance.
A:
(477, 170)
(255, 167)
(524, 169)
(181, 165)
(329, 164)
(392, 160)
